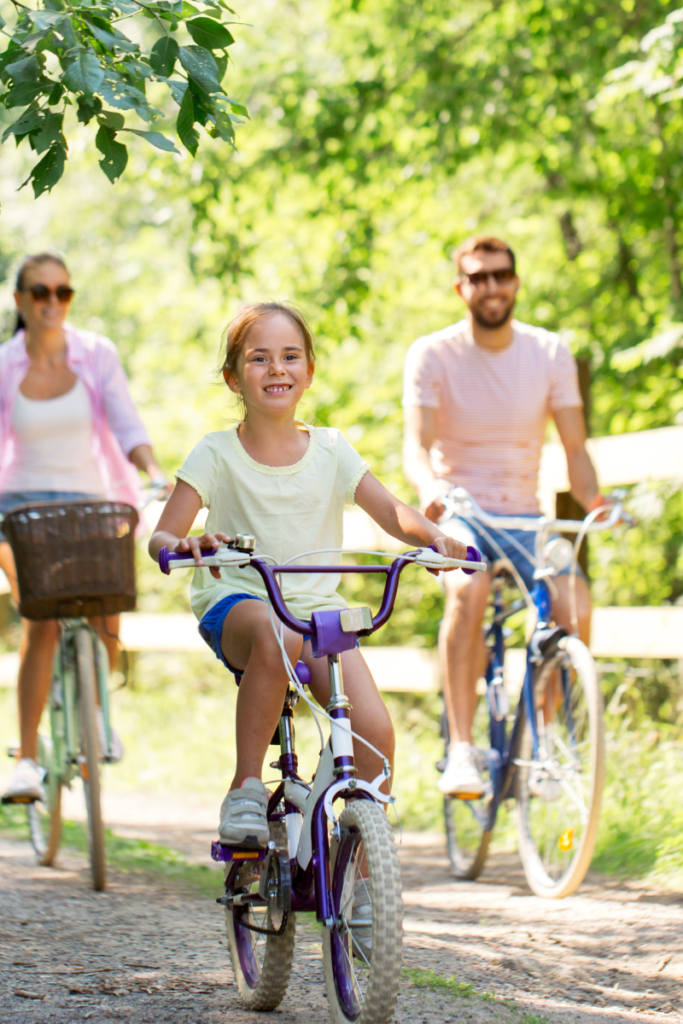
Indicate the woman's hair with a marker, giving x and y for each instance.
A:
(34, 261)
(238, 328)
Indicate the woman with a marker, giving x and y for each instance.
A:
(68, 430)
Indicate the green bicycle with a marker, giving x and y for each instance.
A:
(75, 561)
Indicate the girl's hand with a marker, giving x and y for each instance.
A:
(450, 548)
(195, 545)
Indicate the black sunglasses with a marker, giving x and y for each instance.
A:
(41, 292)
(481, 276)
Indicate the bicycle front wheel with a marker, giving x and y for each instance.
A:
(559, 791)
(261, 960)
(45, 819)
(362, 950)
(89, 756)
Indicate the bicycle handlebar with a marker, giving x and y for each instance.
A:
(223, 556)
(459, 502)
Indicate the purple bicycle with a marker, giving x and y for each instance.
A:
(341, 866)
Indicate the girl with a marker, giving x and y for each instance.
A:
(286, 483)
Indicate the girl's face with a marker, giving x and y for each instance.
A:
(273, 370)
(45, 296)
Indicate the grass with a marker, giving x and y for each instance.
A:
(430, 979)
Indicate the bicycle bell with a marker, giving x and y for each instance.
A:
(558, 553)
(245, 542)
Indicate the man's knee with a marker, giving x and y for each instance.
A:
(466, 600)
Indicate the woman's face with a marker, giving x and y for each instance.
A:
(45, 296)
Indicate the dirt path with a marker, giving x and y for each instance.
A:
(147, 952)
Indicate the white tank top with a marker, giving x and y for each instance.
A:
(53, 444)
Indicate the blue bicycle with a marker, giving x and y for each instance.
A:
(547, 755)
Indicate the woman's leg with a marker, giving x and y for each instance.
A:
(36, 654)
(249, 645)
(369, 716)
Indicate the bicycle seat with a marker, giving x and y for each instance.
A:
(502, 567)
(302, 670)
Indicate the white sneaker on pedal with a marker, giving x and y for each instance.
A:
(116, 744)
(244, 818)
(26, 784)
(461, 775)
(361, 934)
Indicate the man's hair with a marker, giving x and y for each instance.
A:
(482, 243)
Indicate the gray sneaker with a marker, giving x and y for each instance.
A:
(244, 819)
(26, 784)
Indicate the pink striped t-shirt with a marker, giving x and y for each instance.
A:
(493, 408)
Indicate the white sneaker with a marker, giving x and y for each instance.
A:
(244, 819)
(26, 783)
(361, 935)
(461, 776)
(116, 744)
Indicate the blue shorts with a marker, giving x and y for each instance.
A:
(11, 499)
(211, 625)
(517, 545)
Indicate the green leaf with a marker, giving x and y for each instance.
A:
(239, 109)
(137, 68)
(56, 93)
(187, 133)
(118, 93)
(88, 108)
(163, 56)
(26, 92)
(85, 74)
(47, 172)
(114, 154)
(178, 87)
(222, 64)
(110, 119)
(30, 119)
(49, 134)
(209, 33)
(26, 70)
(45, 19)
(188, 10)
(156, 139)
(113, 39)
(201, 66)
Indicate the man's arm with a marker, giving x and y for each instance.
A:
(583, 481)
(418, 438)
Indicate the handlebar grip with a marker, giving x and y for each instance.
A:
(166, 557)
(472, 556)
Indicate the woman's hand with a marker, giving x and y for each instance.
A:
(195, 546)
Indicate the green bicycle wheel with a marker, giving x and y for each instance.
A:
(45, 818)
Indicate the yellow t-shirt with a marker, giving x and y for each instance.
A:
(289, 509)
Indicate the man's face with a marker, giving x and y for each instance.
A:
(488, 286)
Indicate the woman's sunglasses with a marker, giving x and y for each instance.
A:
(41, 292)
(481, 276)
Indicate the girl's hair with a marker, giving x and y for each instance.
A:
(238, 328)
(34, 261)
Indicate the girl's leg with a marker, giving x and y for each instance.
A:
(36, 654)
(249, 645)
(369, 716)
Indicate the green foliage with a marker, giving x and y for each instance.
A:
(430, 979)
(74, 54)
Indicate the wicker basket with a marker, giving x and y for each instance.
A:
(73, 558)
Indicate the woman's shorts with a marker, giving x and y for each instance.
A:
(11, 499)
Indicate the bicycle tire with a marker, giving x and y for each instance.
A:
(362, 978)
(45, 818)
(468, 831)
(557, 834)
(261, 964)
(89, 759)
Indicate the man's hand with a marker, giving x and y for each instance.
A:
(431, 504)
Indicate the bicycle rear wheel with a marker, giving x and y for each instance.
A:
(45, 819)
(468, 822)
(261, 963)
(558, 794)
(89, 757)
(362, 952)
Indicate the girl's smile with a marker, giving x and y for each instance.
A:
(273, 370)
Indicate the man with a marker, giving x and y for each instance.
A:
(477, 399)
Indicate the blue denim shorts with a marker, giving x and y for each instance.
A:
(211, 625)
(11, 499)
(467, 531)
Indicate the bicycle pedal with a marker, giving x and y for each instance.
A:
(19, 800)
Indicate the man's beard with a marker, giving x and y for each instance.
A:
(491, 323)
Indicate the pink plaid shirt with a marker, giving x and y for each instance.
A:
(117, 427)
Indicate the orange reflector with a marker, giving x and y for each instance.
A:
(245, 854)
(467, 796)
(566, 840)
(84, 771)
